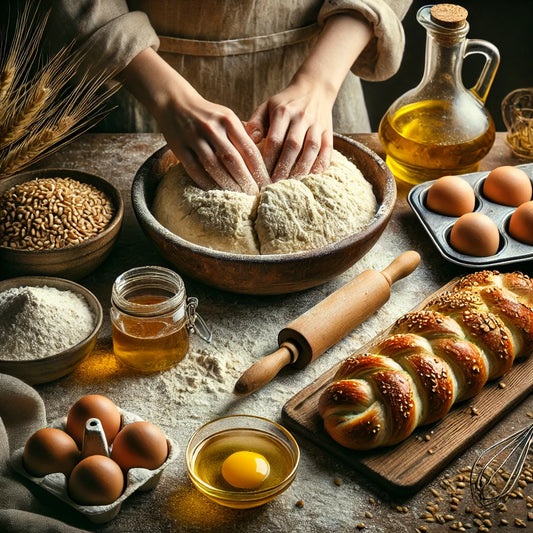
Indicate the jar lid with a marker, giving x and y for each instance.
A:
(162, 284)
(449, 15)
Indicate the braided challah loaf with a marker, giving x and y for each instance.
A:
(430, 359)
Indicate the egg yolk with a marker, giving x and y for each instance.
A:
(245, 470)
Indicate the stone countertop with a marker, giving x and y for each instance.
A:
(335, 497)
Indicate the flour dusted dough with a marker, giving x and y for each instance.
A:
(222, 220)
(288, 216)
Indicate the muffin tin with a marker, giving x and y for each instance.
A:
(439, 226)
(137, 478)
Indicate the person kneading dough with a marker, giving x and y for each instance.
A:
(287, 216)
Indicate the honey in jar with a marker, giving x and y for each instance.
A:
(440, 127)
(151, 318)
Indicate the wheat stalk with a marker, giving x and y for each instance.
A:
(40, 113)
(6, 80)
(17, 126)
(19, 55)
(31, 100)
(26, 152)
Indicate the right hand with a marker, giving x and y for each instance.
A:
(213, 145)
(297, 127)
(209, 139)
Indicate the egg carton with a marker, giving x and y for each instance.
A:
(439, 226)
(140, 479)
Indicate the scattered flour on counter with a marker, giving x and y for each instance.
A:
(37, 322)
(201, 371)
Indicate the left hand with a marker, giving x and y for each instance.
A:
(297, 128)
(296, 123)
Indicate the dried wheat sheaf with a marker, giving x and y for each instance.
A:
(44, 103)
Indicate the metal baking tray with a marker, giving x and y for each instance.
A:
(439, 226)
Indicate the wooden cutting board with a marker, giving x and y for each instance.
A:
(406, 467)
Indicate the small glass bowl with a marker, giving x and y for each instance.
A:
(216, 440)
(517, 113)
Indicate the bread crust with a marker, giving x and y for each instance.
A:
(430, 359)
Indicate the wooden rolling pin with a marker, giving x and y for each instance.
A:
(310, 335)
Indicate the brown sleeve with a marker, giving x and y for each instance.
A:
(112, 34)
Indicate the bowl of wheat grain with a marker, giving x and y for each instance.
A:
(57, 222)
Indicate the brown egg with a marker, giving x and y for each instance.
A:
(50, 450)
(93, 406)
(96, 480)
(475, 234)
(140, 445)
(507, 185)
(451, 195)
(521, 223)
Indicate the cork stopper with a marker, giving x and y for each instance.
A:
(449, 15)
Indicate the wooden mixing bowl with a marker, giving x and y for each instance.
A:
(265, 274)
(71, 262)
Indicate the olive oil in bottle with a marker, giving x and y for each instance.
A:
(420, 146)
(440, 127)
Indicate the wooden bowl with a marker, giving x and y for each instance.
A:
(265, 274)
(45, 369)
(72, 262)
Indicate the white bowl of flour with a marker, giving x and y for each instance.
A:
(48, 326)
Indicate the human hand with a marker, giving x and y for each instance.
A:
(213, 146)
(208, 139)
(297, 128)
(296, 123)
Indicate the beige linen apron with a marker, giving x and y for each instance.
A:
(237, 54)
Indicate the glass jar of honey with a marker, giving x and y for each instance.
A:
(152, 318)
(440, 127)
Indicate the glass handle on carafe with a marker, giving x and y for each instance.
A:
(492, 60)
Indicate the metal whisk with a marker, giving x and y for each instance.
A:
(497, 469)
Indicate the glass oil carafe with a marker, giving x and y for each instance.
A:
(440, 127)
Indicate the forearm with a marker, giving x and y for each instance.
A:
(381, 58)
(341, 41)
(155, 83)
(208, 139)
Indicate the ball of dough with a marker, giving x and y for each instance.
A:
(221, 220)
(299, 215)
(288, 216)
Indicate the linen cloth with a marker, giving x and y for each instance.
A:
(22, 412)
(236, 53)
